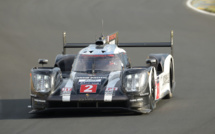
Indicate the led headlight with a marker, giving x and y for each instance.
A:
(134, 82)
(42, 83)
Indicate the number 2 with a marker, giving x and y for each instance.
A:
(89, 87)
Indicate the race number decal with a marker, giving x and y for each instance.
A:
(88, 88)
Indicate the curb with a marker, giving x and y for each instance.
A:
(198, 10)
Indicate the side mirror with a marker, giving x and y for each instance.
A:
(150, 61)
(128, 65)
(43, 61)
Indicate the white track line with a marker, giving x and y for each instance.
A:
(198, 10)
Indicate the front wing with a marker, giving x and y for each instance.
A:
(136, 103)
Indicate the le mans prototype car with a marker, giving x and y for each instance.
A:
(100, 77)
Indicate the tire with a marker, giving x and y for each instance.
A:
(170, 94)
(152, 103)
(150, 98)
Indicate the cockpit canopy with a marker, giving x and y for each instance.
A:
(108, 62)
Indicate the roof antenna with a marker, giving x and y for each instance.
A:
(102, 30)
(101, 40)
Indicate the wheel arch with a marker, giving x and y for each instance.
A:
(64, 62)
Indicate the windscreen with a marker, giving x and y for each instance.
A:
(97, 63)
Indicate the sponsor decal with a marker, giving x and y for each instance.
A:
(109, 93)
(87, 99)
(66, 98)
(158, 90)
(111, 88)
(165, 79)
(90, 77)
(88, 88)
(89, 81)
(112, 37)
(66, 91)
(105, 55)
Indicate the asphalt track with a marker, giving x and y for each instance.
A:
(31, 29)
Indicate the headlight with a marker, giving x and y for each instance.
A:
(42, 83)
(134, 82)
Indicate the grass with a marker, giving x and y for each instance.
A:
(210, 9)
(206, 5)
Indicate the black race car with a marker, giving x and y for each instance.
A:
(100, 77)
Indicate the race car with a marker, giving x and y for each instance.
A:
(100, 77)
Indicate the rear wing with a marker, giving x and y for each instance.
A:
(151, 44)
(113, 39)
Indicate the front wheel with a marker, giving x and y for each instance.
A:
(170, 94)
(150, 103)
(152, 95)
